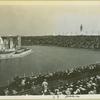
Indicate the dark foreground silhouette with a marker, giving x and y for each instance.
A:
(80, 80)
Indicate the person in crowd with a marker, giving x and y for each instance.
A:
(67, 91)
(77, 91)
(33, 88)
(23, 83)
(6, 91)
(14, 92)
(45, 86)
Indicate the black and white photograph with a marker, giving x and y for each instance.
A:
(50, 49)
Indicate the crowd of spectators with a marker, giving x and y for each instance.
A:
(90, 42)
(78, 80)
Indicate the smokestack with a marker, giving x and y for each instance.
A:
(19, 41)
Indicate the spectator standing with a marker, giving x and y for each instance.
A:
(45, 86)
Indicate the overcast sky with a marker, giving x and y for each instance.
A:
(48, 20)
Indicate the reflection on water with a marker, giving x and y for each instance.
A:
(44, 59)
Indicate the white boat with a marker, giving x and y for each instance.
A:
(8, 51)
(16, 53)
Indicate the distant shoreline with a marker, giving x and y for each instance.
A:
(80, 41)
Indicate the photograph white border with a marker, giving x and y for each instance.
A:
(72, 3)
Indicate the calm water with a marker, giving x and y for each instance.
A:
(45, 59)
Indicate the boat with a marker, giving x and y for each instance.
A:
(8, 51)
(16, 54)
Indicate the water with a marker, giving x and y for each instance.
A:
(46, 59)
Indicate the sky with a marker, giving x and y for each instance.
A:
(48, 19)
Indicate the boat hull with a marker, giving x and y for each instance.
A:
(15, 55)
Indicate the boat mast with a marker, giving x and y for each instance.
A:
(81, 28)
